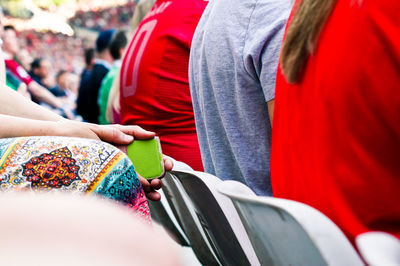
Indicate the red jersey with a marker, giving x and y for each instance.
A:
(18, 71)
(154, 82)
(336, 133)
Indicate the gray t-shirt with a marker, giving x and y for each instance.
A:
(232, 70)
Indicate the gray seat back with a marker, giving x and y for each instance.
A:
(285, 232)
(216, 213)
(187, 218)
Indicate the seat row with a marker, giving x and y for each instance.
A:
(225, 223)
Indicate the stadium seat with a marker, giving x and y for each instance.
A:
(188, 220)
(161, 212)
(379, 248)
(285, 232)
(213, 222)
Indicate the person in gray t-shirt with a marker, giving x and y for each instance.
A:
(232, 69)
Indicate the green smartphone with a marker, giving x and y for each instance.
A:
(147, 158)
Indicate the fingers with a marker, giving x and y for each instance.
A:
(136, 131)
(113, 134)
(156, 184)
(145, 184)
(149, 188)
(154, 196)
(168, 163)
(121, 135)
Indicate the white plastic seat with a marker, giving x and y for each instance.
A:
(161, 212)
(212, 216)
(285, 232)
(379, 248)
(188, 220)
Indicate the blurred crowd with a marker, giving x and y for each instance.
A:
(57, 61)
(103, 18)
(64, 52)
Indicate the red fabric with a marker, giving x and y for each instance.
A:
(18, 71)
(154, 78)
(336, 134)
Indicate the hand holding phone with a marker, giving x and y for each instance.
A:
(147, 157)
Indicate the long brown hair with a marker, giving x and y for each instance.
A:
(302, 35)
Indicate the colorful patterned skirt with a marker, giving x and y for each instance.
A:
(71, 164)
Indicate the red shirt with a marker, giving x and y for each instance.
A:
(18, 71)
(336, 133)
(154, 82)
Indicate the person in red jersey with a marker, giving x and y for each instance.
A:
(154, 83)
(40, 93)
(336, 130)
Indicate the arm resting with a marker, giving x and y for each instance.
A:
(14, 104)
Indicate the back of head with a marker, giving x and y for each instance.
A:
(118, 43)
(89, 56)
(103, 40)
(36, 64)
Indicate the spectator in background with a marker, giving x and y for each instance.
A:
(154, 82)
(232, 71)
(40, 70)
(89, 92)
(89, 61)
(10, 48)
(64, 89)
(117, 47)
(10, 79)
(63, 84)
(24, 59)
(16, 84)
(336, 137)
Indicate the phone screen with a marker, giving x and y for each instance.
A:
(146, 156)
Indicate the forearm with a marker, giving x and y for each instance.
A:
(14, 104)
(11, 126)
(43, 95)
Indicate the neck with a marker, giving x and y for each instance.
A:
(106, 56)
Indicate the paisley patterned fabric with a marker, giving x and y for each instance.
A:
(71, 164)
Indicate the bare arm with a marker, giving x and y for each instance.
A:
(14, 104)
(11, 126)
(44, 95)
(270, 105)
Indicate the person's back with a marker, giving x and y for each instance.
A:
(89, 61)
(89, 92)
(87, 100)
(336, 133)
(154, 82)
(232, 72)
